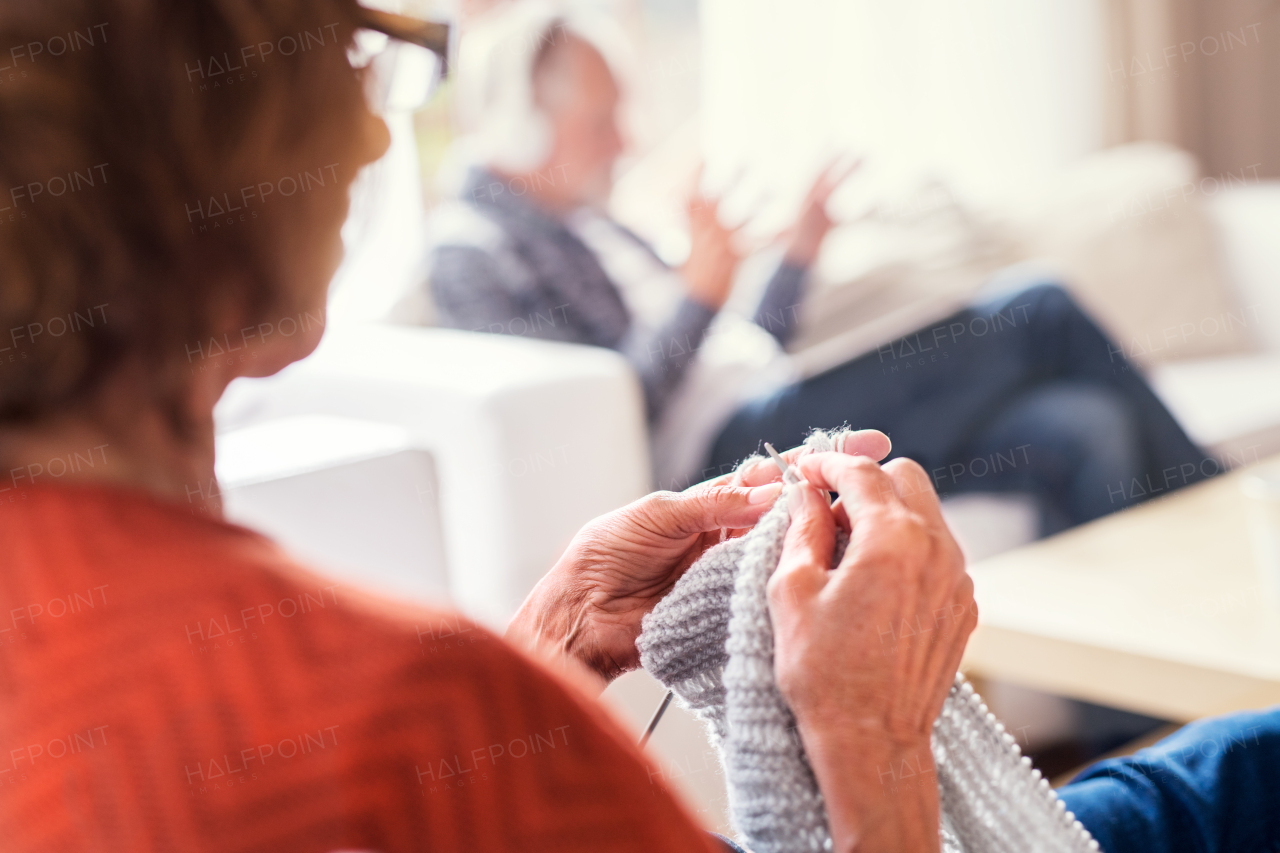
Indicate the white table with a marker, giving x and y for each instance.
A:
(1156, 610)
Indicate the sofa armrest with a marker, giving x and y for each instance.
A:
(1247, 221)
(531, 439)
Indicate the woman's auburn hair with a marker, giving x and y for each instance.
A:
(147, 148)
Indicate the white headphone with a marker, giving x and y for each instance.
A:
(497, 103)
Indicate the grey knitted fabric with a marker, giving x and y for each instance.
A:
(711, 642)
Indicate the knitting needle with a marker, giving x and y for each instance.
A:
(662, 708)
(787, 475)
(657, 717)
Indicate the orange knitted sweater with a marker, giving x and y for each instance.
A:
(172, 683)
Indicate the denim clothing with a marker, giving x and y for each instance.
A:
(1211, 787)
(729, 845)
(1021, 394)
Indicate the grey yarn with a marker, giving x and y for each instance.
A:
(711, 642)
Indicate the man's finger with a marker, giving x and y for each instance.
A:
(835, 177)
(837, 170)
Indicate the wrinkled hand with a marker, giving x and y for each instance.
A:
(620, 565)
(873, 643)
(589, 606)
(813, 223)
(866, 652)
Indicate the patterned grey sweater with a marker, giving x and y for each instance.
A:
(499, 264)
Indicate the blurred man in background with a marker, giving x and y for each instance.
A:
(525, 250)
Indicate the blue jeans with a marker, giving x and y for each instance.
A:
(1021, 394)
(1211, 787)
(728, 844)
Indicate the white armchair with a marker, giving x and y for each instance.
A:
(530, 440)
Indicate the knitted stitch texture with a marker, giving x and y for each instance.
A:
(711, 642)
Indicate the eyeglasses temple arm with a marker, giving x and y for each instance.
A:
(433, 35)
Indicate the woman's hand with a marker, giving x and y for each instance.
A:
(589, 606)
(620, 565)
(866, 652)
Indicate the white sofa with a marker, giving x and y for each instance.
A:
(529, 439)
(1232, 403)
(355, 497)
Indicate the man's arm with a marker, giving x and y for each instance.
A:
(662, 357)
(779, 309)
(482, 292)
(1213, 785)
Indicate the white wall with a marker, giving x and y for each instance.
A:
(989, 93)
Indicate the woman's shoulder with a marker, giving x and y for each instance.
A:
(216, 607)
(252, 677)
(208, 588)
